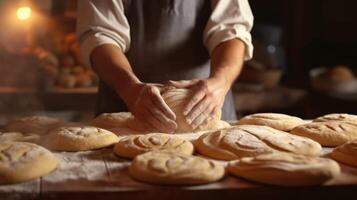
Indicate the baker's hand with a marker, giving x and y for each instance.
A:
(206, 102)
(148, 106)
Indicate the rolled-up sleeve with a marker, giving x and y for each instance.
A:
(101, 22)
(229, 19)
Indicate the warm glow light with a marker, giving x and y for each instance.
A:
(23, 13)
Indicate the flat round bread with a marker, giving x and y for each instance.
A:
(174, 169)
(33, 124)
(20, 161)
(250, 140)
(131, 146)
(79, 138)
(331, 133)
(275, 120)
(346, 153)
(285, 169)
(112, 120)
(337, 117)
(19, 137)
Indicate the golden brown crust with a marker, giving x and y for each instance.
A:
(275, 120)
(20, 161)
(79, 138)
(285, 169)
(251, 140)
(331, 133)
(131, 146)
(346, 153)
(174, 169)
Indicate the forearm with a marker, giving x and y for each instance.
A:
(112, 66)
(226, 63)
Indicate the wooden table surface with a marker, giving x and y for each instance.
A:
(102, 175)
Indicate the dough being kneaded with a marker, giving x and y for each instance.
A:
(331, 133)
(112, 120)
(174, 169)
(346, 153)
(285, 169)
(33, 124)
(21, 161)
(177, 99)
(275, 120)
(131, 146)
(79, 138)
(337, 117)
(251, 140)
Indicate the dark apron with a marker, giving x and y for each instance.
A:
(166, 44)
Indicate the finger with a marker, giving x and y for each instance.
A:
(142, 118)
(197, 97)
(159, 115)
(158, 125)
(202, 117)
(183, 83)
(161, 104)
(200, 107)
(209, 118)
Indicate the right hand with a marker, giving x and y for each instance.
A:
(148, 106)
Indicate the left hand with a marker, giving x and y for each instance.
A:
(206, 102)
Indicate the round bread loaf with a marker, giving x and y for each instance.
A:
(346, 153)
(112, 120)
(19, 137)
(285, 169)
(131, 146)
(250, 140)
(337, 117)
(80, 138)
(174, 169)
(331, 133)
(275, 120)
(33, 124)
(21, 161)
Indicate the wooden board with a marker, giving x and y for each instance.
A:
(102, 175)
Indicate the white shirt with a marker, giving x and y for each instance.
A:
(103, 22)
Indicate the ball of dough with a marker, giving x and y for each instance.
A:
(331, 133)
(337, 117)
(131, 146)
(285, 169)
(33, 124)
(177, 99)
(79, 138)
(112, 120)
(20, 161)
(346, 153)
(251, 140)
(275, 120)
(174, 169)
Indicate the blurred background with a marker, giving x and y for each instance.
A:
(304, 61)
